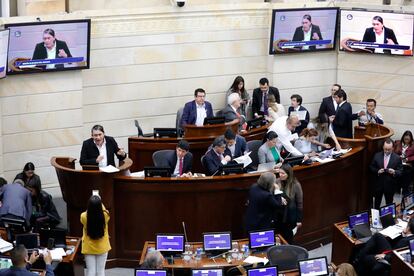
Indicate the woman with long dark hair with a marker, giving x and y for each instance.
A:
(294, 211)
(238, 87)
(405, 149)
(95, 239)
(28, 176)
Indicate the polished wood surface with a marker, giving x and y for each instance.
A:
(140, 149)
(343, 246)
(399, 266)
(77, 186)
(209, 130)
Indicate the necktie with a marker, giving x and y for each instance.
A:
(386, 161)
(180, 168)
(265, 106)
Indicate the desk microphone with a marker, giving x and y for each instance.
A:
(216, 172)
(221, 254)
(185, 232)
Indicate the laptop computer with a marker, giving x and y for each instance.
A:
(207, 272)
(5, 262)
(58, 236)
(360, 226)
(260, 240)
(263, 271)
(150, 272)
(408, 202)
(30, 241)
(313, 267)
(388, 214)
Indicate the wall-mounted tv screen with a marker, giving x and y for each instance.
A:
(48, 46)
(303, 30)
(376, 32)
(4, 44)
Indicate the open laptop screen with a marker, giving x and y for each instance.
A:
(259, 239)
(207, 272)
(263, 271)
(5, 262)
(217, 241)
(408, 201)
(360, 218)
(389, 209)
(170, 243)
(150, 272)
(313, 267)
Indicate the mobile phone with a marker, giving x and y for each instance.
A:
(95, 192)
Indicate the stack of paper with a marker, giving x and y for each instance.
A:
(57, 254)
(109, 169)
(5, 246)
(255, 260)
(244, 159)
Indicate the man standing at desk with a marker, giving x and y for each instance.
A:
(342, 120)
(99, 150)
(196, 111)
(387, 166)
(16, 201)
(181, 160)
(368, 115)
(260, 95)
(329, 105)
(284, 126)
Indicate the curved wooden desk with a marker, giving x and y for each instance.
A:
(209, 130)
(77, 186)
(140, 149)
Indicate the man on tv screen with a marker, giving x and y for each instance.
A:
(380, 34)
(51, 48)
(307, 32)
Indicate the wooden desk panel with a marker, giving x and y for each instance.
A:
(399, 266)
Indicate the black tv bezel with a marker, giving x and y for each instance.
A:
(272, 30)
(379, 12)
(88, 63)
(7, 54)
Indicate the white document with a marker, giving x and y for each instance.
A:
(301, 114)
(244, 159)
(255, 260)
(57, 254)
(265, 167)
(375, 217)
(392, 232)
(5, 246)
(138, 174)
(109, 169)
(295, 230)
(343, 151)
(326, 160)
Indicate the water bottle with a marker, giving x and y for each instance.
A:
(198, 254)
(404, 216)
(246, 252)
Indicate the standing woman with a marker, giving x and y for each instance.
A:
(405, 149)
(95, 239)
(293, 190)
(28, 176)
(238, 87)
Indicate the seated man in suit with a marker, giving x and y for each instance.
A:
(260, 94)
(342, 120)
(236, 144)
(296, 106)
(216, 157)
(16, 201)
(196, 111)
(368, 115)
(375, 256)
(387, 166)
(181, 160)
(22, 262)
(329, 105)
(231, 111)
(99, 150)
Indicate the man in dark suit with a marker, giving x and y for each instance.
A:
(196, 111)
(329, 105)
(296, 105)
(181, 160)
(22, 262)
(16, 201)
(99, 150)
(216, 157)
(387, 166)
(51, 48)
(236, 145)
(379, 31)
(375, 256)
(307, 32)
(342, 120)
(259, 104)
(231, 111)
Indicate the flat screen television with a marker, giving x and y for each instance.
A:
(303, 30)
(313, 267)
(4, 46)
(376, 32)
(48, 46)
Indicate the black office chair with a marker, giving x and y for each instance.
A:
(158, 157)
(140, 132)
(254, 146)
(286, 256)
(180, 131)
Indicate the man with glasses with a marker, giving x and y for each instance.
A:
(216, 157)
(197, 110)
(329, 105)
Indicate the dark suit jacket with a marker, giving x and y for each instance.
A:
(327, 107)
(230, 115)
(14, 271)
(212, 163)
(189, 116)
(258, 97)
(41, 53)
(90, 152)
(261, 209)
(16, 200)
(385, 180)
(303, 123)
(369, 36)
(171, 160)
(342, 125)
(240, 147)
(299, 36)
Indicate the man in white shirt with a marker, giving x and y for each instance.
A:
(196, 111)
(284, 126)
(368, 115)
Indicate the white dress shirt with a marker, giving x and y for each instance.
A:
(201, 114)
(335, 103)
(284, 135)
(380, 40)
(307, 36)
(102, 151)
(51, 54)
(177, 167)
